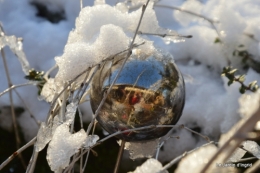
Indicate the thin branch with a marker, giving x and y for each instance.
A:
(164, 35)
(85, 164)
(31, 166)
(47, 73)
(121, 132)
(16, 86)
(119, 156)
(17, 138)
(212, 22)
(81, 4)
(192, 131)
(162, 143)
(27, 108)
(10, 158)
(246, 159)
(186, 11)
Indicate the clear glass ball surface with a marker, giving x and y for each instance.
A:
(147, 92)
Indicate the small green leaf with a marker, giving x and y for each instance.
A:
(230, 82)
(242, 89)
(255, 88)
(217, 40)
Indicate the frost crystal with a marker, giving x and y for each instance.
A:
(90, 141)
(45, 133)
(49, 90)
(16, 46)
(151, 166)
(70, 112)
(252, 147)
(43, 137)
(141, 149)
(63, 146)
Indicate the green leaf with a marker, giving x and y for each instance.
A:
(230, 82)
(217, 40)
(242, 89)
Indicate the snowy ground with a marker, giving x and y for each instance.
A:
(212, 107)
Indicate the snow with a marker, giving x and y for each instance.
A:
(141, 149)
(64, 145)
(237, 155)
(195, 161)
(150, 165)
(252, 147)
(16, 46)
(43, 137)
(72, 44)
(90, 141)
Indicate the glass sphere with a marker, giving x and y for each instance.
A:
(147, 92)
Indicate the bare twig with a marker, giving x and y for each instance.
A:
(212, 22)
(164, 35)
(85, 164)
(119, 156)
(27, 108)
(10, 158)
(47, 73)
(17, 138)
(246, 159)
(162, 143)
(192, 131)
(16, 86)
(31, 166)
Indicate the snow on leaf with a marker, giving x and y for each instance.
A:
(63, 146)
(151, 166)
(252, 147)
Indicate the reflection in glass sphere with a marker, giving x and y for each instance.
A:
(147, 92)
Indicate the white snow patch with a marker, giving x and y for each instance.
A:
(252, 147)
(145, 149)
(64, 145)
(151, 166)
